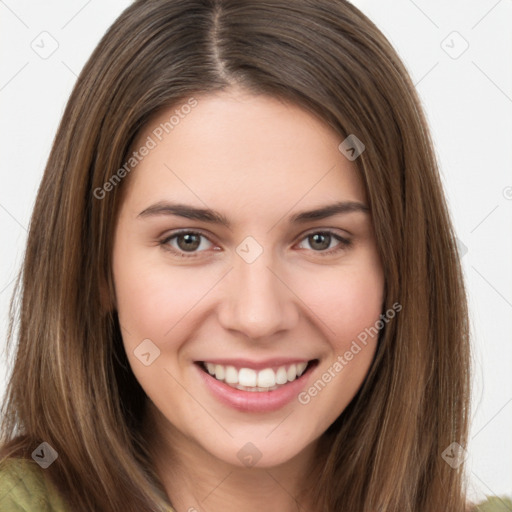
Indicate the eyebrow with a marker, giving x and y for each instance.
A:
(214, 217)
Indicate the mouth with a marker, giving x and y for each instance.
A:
(261, 380)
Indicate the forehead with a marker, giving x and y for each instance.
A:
(251, 153)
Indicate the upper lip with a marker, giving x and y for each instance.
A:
(256, 365)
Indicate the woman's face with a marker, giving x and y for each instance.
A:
(221, 267)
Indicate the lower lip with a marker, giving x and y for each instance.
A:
(255, 401)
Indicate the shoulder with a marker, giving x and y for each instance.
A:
(494, 504)
(24, 488)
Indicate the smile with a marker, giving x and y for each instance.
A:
(248, 379)
(255, 387)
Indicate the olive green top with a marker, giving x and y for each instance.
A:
(24, 488)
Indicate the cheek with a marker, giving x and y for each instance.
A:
(346, 300)
(151, 299)
(350, 304)
(152, 304)
(356, 306)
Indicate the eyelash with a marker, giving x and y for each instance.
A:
(344, 243)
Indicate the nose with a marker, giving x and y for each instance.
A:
(256, 300)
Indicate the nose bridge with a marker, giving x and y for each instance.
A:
(256, 302)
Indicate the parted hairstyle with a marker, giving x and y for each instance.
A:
(71, 384)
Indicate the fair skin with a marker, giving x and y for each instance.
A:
(306, 297)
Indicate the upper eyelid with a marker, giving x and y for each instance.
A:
(170, 236)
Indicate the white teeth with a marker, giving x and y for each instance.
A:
(248, 379)
(219, 371)
(300, 368)
(266, 378)
(231, 375)
(281, 376)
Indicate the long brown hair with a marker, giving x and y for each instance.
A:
(71, 384)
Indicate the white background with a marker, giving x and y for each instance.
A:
(468, 102)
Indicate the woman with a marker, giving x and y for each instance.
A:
(241, 285)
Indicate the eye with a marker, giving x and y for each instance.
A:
(186, 242)
(319, 241)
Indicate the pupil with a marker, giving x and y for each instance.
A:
(323, 240)
(192, 242)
